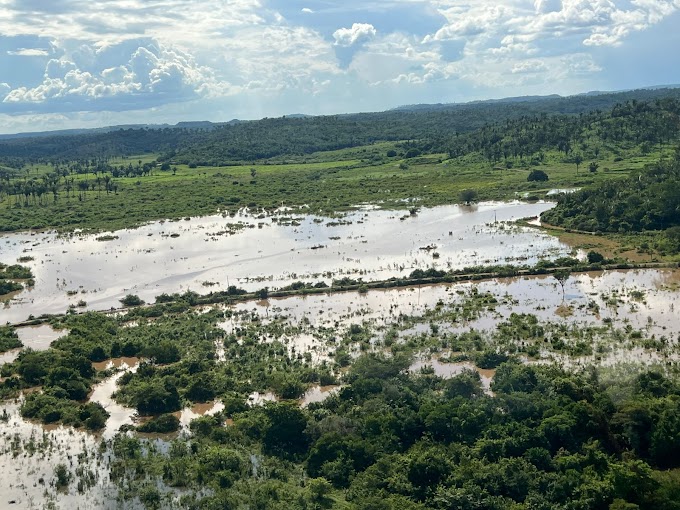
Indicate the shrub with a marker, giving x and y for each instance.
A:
(537, 175)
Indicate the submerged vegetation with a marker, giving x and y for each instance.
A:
(9, 274)
(392, 436)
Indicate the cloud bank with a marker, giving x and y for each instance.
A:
(126, 59)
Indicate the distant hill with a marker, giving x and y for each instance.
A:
(440, 106)
(208, 143)
(202, 124)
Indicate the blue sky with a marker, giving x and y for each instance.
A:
(78, 63)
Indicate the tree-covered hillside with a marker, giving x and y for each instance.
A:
(236, 142)
(582, 137)
(647, 200)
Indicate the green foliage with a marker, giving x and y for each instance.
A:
(6, 287)
(163, 424)
(595, 257)
(53, 406)
(131, 300)
(62, 475)
(8, 338)
(284, 432)
(537, 175)
(468, 384)
(468, 196)
(15, 272)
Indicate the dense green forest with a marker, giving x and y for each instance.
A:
(270, 138)
(647, 200)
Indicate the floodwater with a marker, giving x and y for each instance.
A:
(252, 251)
(449, 370)
(29, 455)
(101, 393)
(317, 394)
(644, 300)
(37, 338)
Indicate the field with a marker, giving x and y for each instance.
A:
(331, 182)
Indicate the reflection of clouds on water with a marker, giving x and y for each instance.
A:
(252, 252)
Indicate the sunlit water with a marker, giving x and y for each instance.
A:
(371, 245)
(252, 252)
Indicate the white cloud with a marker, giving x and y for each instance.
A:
(29, 52)
(357, 34)
(307, 10)
(528, 66)
(151, 73)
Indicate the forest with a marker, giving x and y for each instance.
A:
(248, 141)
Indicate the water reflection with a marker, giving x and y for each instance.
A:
(214, 252)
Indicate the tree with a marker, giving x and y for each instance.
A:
(537, 175)
(562, 275)
(285, 431)
(63, 476)
(593, 167)
(595, 257)
(468, 196)
(578, 159)
(131, 300)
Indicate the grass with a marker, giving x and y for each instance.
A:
(326, 182)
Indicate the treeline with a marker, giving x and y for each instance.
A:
(578, 138)
(288, 136)
(647, 200)
(15, 153)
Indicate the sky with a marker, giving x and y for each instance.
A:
(83, 63)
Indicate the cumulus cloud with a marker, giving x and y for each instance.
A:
(358, 33)
(348, 41)
(151, 74)
(468, 21)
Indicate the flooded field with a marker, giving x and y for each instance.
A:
(29, 456)
(602, 319)
(256, 250)
(640, 300)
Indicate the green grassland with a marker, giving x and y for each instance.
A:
(326, 182)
